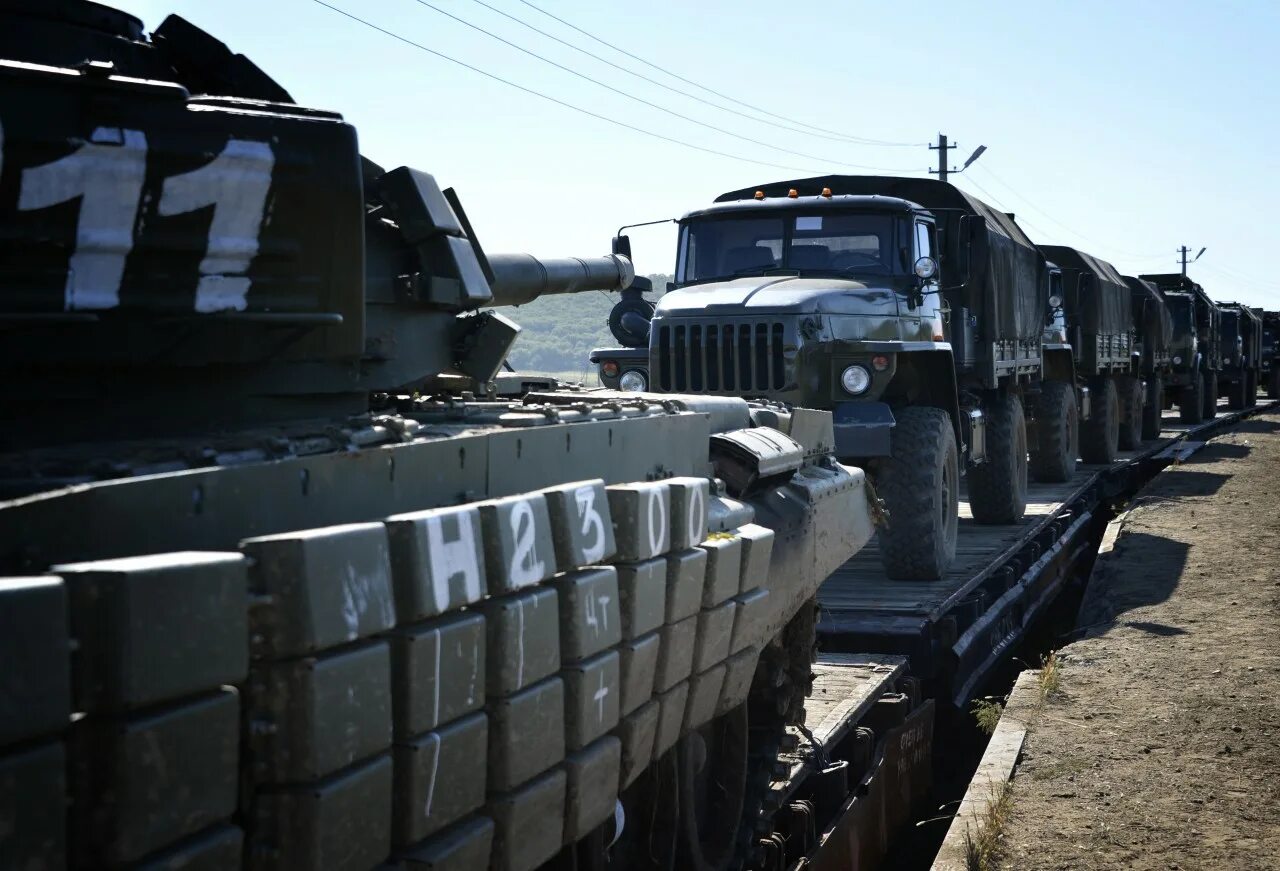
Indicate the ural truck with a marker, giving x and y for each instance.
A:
(1240, 331)
(1270, 373)
(1100, 331)
(1154, 333)
(910, 309)
(1193, 379)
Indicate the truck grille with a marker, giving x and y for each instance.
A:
(718, 357)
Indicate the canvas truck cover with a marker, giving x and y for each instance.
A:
(1150, 314)
(1096, 297)
(1004, 288)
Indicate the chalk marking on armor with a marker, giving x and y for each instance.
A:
(435, 768)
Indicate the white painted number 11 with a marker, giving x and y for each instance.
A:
(107, 173)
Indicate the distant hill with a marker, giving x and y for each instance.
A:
(560, 331)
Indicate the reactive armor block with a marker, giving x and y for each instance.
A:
(437, 562)
(437, 672)
(518, 548)
(581, 525)
(589, 614)
(523, 633)
(35, 684)
(439, 778)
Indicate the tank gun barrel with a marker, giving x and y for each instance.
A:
(521, 278)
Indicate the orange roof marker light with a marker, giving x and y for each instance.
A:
(793, 193)
(759, 195)
(826, 192)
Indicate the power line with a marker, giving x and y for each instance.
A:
(648, 103)
(860, 139)
(657, 83)
(1128, 254)
(559, 102)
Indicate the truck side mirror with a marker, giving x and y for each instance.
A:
(622, 245)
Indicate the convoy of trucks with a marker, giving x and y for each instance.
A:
(945, 342)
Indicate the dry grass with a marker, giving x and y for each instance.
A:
(987, 712)
(1050, 676)
(983, 850)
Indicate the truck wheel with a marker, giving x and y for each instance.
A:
(1273, 382)
(1100, 434)
(920, 484)
(1129, 390)
(998, 486)
(1053, 459)
(1153, 411)
(1210, 395)
(1191, 401)
(1237, 392)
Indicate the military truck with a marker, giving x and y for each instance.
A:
(1197, 358)
(1270, 373)
(290, 586)
(627, 367)
(1154, 328)
(911, 310)
(1240, 331)
(1100, 331)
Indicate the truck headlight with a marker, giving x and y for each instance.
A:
(855, 380)
(1177, 361)
(634, 381)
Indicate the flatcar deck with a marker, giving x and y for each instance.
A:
(955, 629)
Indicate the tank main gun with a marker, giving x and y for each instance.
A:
(521, 278)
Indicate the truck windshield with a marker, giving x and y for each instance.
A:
(827, 243)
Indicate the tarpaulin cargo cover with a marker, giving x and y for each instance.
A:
(1096, 297)
(1150, 314)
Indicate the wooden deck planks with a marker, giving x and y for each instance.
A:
(860, 584)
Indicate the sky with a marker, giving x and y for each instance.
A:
(1125, 129)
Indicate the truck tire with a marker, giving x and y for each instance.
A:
(1153, 410)
(1129, 391)
(920, 485)
(1191, 400)
(1053, 459)
(1273, 382)
(998, 486)
(1238, 392)
(1100, 434)
(1210, 397)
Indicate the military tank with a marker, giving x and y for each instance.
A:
(292, 581)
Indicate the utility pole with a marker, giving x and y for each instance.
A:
(1183, 251)
(942, 148)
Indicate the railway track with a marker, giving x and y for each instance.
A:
(895, 654)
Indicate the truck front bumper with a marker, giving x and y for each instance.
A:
(862, 429)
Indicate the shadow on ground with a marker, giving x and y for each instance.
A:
(1255, 424)
(1186, 480)
(1147, 582)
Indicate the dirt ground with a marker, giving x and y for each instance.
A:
(1161, 748)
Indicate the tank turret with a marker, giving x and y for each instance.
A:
(190, 263)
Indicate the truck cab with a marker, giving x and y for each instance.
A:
(1193, 380)
(912, 311)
